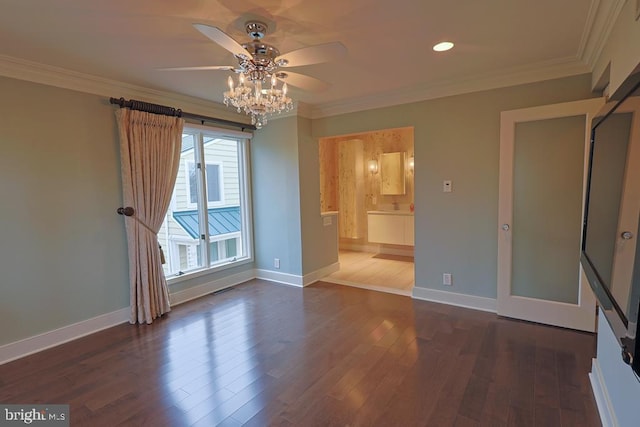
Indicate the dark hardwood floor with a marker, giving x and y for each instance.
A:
(264, 354)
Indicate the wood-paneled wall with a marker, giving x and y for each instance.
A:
(351, 204)
(328, 175)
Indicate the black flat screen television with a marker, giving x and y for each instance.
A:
(610, 256)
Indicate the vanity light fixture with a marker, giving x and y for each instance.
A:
(373, 166)
(443, 46)
(411, 163)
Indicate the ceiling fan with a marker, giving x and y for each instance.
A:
(259, 61)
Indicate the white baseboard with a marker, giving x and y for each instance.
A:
(34, 344)
(295, 280)
(284, 278)
(314, 276)
(452, 298)
(209, 287)
(605, 409)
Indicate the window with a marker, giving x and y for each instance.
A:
(214, 181)
(231, 246)
(201, 232)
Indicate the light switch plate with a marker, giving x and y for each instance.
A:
(446, 186)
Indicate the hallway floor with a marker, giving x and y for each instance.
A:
(387, 273)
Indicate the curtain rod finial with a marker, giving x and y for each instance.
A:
(128, 211)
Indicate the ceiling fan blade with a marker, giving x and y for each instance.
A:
(303, 82)
(220, 37)
(313, 54)
(203, 68)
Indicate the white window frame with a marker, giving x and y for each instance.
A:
(222, 249)
(188, 163)
(245, 236)
(173, 253)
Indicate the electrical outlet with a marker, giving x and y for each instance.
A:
(276, 262)
(446, 279)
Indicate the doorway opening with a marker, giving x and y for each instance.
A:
(367, 179)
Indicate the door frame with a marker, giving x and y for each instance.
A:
(579, 316)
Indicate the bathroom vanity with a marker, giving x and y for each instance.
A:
(390, 227)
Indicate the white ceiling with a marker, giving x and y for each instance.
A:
(389, 42)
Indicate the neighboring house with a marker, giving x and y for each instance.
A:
(180, 234)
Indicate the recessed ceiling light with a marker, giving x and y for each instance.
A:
(441, 47)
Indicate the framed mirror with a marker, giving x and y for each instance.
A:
(392, 176)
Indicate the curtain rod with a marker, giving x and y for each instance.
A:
(173, 112)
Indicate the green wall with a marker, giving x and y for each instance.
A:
(319, 241)
(286, 200)
(63, 252)
(456, 138)
(276, 196)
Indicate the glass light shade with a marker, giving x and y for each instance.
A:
(373, 166)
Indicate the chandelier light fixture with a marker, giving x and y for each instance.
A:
(250, 97)
(258, 63)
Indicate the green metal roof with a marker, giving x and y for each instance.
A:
(221, 221)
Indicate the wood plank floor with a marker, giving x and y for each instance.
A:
(264, 354)
(388, 273)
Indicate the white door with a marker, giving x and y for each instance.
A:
(543, 159)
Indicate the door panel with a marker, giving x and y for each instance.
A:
(547, 207)
(542, 163)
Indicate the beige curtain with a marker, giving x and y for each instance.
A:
(150, 157)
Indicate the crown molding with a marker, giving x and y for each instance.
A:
(600, 22)
(35, 72)
(588, 28)
(300, 109)
(304, 110)
(546, 70)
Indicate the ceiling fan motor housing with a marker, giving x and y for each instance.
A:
(262, 63)
(261, 51)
